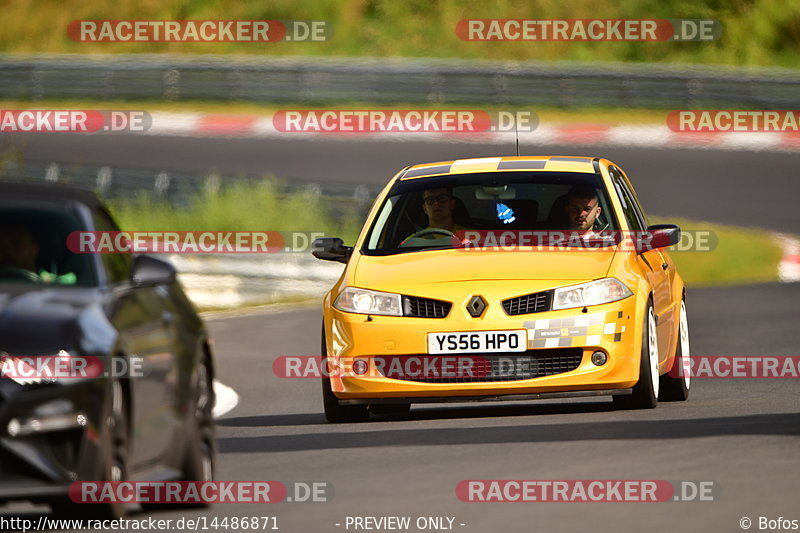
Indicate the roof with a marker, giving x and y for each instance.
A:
(492, 164)
(49, 191)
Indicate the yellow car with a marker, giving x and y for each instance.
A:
(504, 278)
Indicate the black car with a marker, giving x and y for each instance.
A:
(154, 424)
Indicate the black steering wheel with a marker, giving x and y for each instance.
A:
(431, 231)
(19, 273)
(600, 225)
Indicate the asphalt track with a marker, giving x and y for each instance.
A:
(745, 188)
(742, 434)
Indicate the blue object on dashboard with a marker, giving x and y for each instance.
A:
(505, 213)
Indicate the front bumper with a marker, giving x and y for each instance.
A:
(40, 465)
(496, 398)
(612, 328)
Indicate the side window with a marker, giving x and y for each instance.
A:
(630, 207)
(636, 204)
(118, 266)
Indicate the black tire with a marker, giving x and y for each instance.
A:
(336, 413)
(201, 451)
(201, 456)
(645, 392)
(675, 383)
(392, 409)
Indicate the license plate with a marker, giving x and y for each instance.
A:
(478, 342)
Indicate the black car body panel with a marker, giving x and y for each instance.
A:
(103, 314)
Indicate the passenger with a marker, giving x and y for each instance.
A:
(582, 209)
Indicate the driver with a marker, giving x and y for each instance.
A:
(582, 209)
(439, 204)
(18, 248)
(19, 251)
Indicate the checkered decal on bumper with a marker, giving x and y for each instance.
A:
(582, 330)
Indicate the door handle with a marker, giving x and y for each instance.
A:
(664, 266)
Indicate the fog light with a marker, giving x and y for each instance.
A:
(599, 358)
(360, 367)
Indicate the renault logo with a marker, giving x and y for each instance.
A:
(476, 306)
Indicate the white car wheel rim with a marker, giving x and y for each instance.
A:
(685, 352)
(652, 345)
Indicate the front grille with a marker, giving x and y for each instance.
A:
(425, 307)
(479, 368)
(529, 303)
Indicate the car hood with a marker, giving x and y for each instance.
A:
(443, 266)
(37, 321)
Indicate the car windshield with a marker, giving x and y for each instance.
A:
(436, 213)
(33, 246)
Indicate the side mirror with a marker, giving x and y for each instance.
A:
(658, 236)
(149, 271)
(331, 249)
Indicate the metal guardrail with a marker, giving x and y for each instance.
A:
(229, 281)
(389, 80)
(180, 188)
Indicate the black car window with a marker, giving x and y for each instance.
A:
(34, 245)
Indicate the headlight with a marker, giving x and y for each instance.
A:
(601, 291)
(368, 302)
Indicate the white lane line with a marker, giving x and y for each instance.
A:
(165, 123)
(640, 135)
(227, 399)
(753, 140)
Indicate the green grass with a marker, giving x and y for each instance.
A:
(742, 255)
(239, 206)
(762, 32)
